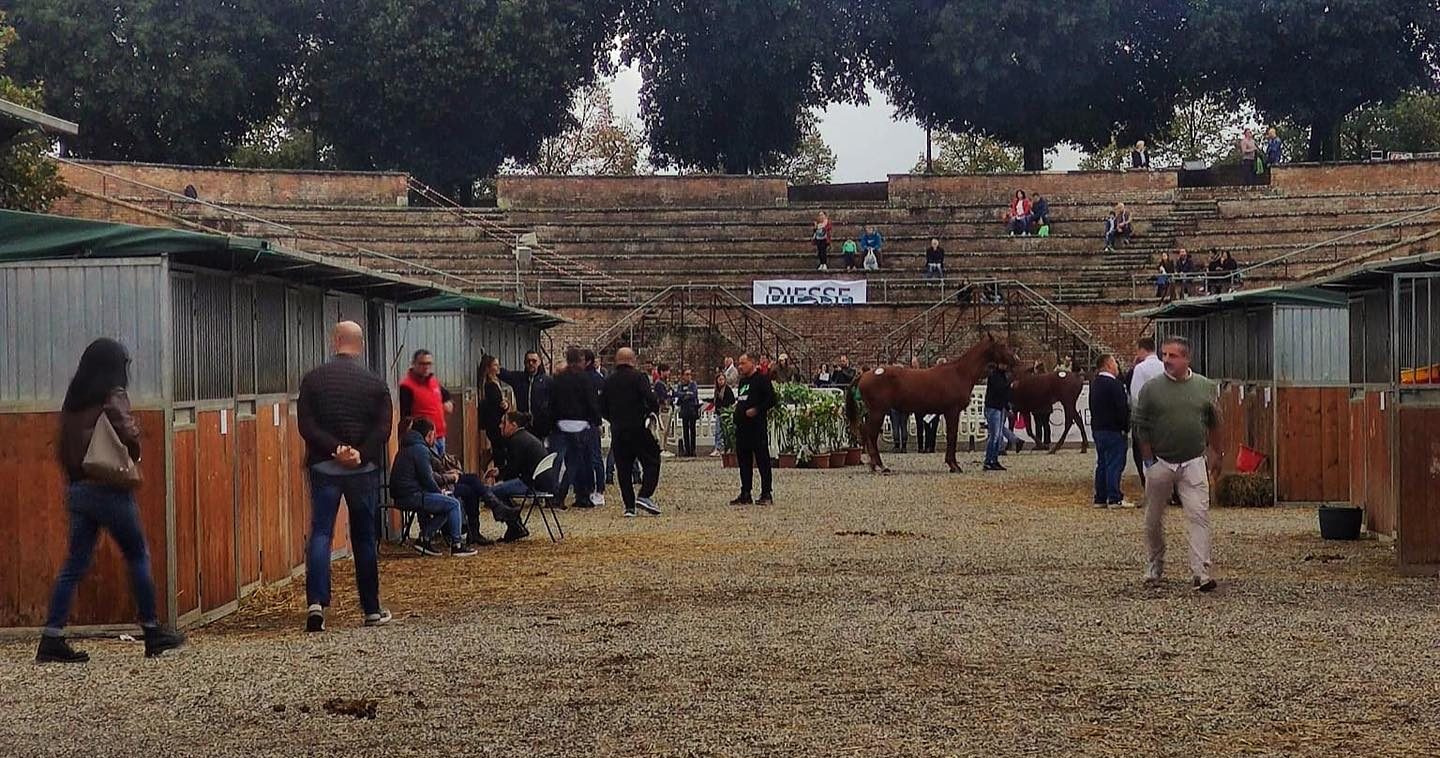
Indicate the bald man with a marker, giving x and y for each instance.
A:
(626, 402)
(344, 416)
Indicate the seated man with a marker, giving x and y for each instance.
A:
(526, 452)
(469, 489)
(413, 485)
(1039, 213)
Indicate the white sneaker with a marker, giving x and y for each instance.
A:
(1123, 504)
(597, 499)
(714, 453)
(666, 454)
(822, 267)
(1153, 572)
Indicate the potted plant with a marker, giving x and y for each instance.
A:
(783, 423)
(728, 459)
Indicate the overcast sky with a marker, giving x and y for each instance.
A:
(868, 141)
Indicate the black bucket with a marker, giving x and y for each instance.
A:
(1340, 522)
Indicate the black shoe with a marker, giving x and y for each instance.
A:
(426, 547)
(1204, 585)
(765, 500)
(461, 550)
(1019, 446)
(558, 504)
(315, 619)
(479, 540)
(742, 500)
(160, 640)
(994, 467)
(648, 505)
(515, 532)
(58, 650)
(1004, 452)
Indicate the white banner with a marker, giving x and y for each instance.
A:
(809, 292)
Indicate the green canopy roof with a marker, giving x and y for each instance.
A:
(486, 306)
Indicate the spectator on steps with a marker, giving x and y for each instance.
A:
(1248, 149)
(848, 251)
(1123, 225)
(870, 244)
(934, 260)
(1040, 216)
(1112, 229)
(1232, 271)
(1184, 273)
(1164, 282)
(1140, 157)
(1274, 150)
(821, 237)
(1215, 274)
(1019, 213)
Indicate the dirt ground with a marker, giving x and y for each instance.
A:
(917, 614)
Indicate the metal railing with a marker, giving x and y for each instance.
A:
(289, 235)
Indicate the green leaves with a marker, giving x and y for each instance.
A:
(28, 180)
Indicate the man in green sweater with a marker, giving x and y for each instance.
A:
(1177, 425)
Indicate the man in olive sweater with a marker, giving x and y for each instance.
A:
(1177, 425)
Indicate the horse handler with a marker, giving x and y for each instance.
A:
(753, 401)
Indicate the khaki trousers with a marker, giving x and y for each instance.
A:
(1192, 481)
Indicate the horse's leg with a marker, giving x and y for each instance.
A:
(873, 422)
(952, 424)
(1079, 424)
(1064, 432)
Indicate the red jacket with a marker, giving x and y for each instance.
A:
(1020, 207)
(424, 399)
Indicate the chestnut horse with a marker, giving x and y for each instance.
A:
(943, 389)
(1037, 394)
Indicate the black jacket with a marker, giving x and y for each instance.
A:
(526, 452)
(343, 402)
(492, 399)
(628, 399)
(997, 390)
(1109, 405)
(756, 392)
(724, 398)
(687, 399)
(1139, 159)
(935, 255)
(572, 396)
(532, 396)
(842, 377)
(411, 475)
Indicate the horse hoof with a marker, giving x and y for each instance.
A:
(1053, 451)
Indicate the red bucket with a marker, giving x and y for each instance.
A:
(1249, 460)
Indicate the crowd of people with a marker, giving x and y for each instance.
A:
(1182, 276)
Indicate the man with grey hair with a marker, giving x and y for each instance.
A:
(627, 401)
(1177, 424)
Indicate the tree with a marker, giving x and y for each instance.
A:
(158, 80)
(728, 84)
(970, 153)
(812, 162)
(29, 180)
(1410, 124)
(448, 90)
(1031, 74)
(1314, 61)
(597, 144)
(1202, 127)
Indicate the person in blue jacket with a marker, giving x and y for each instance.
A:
(870, 244)
(412, 484)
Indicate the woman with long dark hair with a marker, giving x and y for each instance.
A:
(492, 407)
(98, 388)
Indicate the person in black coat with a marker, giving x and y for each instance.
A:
(532, 393)
(753, 401)
(687, 400)
(492, 407)
(627, 402)
(577, 412)
(1109, 421)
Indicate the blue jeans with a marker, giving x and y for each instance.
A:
(440, 445)
(1109, 465)
(437, 509)
(597, 461)
(93, 507)
(362, 498)
(574, 449)
(995, 434)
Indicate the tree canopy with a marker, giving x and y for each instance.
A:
(969, 153)
(28, 181)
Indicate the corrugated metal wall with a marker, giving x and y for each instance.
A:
(1370, 361)
(49, 312)
(444, 335)
(1192, 329)
(1312, 345)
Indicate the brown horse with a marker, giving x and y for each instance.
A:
(942, 389)
(1037, 393)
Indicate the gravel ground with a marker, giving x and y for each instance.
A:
(917, 614)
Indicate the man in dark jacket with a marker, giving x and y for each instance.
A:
(843, 374)
(413, 485)
(518, 476)
(1109, 421)
(532, 393)
(753, 401)
(997, 404)
(597, 453)
(344, 415)
(629, 399)
(577, 411)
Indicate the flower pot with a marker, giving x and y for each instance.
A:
(838, 458)
(821, 460)
(854, 456)
(787, 460)
(1340, 522)
(729, 460)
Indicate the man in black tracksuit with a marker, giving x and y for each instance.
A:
(626, 402)
(753, 401)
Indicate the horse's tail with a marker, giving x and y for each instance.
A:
(852, 405)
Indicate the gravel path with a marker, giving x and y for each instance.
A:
(916, 614)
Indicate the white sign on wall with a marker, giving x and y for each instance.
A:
(808, 292)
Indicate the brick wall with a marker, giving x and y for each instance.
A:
(232, 185)
(641, 191)
(1358, 178)
(914, 190)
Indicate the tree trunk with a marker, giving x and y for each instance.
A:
(1034, 156)
(1324, 140)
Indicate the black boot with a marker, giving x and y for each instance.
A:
(514, 530)
(160, 640)
(1019, 446)
(58, 650)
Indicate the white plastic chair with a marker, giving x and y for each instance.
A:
(534, 498)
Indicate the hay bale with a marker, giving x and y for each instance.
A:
(1245, 491)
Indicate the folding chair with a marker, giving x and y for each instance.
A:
(533, 499)
(408, 516)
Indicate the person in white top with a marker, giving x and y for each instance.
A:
(1147, 366)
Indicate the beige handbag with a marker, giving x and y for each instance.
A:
(107, 460)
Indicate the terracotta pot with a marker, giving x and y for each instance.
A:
(729, 460)
(854, 456)
(821, 460)
(787, 460)
(839, 458)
